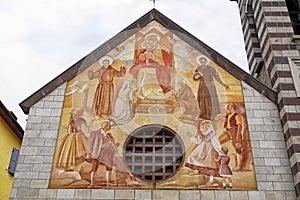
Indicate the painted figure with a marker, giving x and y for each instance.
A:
(152, 68)
(73, 146)
(233, 132)
(202, 158)
(153, 77)
(246, 154)
(102, 103)
(186, 97)
(102, 150)
(225, 171)
(207, 94)
(123, 109)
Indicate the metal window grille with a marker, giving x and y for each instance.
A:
(154, 153)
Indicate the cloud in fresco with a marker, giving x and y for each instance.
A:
(41, 39)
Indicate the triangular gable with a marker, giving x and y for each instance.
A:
(153, 105)
(129, 31)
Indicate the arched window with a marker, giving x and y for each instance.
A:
(248, 7)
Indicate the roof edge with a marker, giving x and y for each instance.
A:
(153, 14)
(11, 121)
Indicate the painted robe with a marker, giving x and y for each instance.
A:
(102, 103)
(73, 146)
(160, 64)
(207, 94)
(202, 158)
(102, 147)
(123, 108)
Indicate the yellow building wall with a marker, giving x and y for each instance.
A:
(8, 140)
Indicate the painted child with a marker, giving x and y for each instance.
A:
(224, 170)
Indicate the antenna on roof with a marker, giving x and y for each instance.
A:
(153, 2)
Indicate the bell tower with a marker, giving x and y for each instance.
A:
(272, 40)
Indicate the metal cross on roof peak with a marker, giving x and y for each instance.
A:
(153, 2)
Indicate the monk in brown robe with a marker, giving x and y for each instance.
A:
(102, 104)
(207, 94)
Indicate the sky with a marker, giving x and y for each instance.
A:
(39, 39)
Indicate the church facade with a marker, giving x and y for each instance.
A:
(154, 113)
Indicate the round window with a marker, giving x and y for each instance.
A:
(154, 153)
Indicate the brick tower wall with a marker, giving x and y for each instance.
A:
(273, 38)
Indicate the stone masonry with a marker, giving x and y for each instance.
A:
(274, 33)
(271, 163)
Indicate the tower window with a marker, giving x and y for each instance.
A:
(294, 12)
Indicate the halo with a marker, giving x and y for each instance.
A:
(152, 35)
(110, 60)
(202, 56)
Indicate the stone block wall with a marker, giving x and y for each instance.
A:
(274, 38)
(272, 167)
(271, 163)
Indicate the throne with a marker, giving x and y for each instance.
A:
(150, 96)
(152, 69)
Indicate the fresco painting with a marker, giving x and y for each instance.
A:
(154, 113)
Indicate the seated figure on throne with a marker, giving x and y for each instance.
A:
(152, 69)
